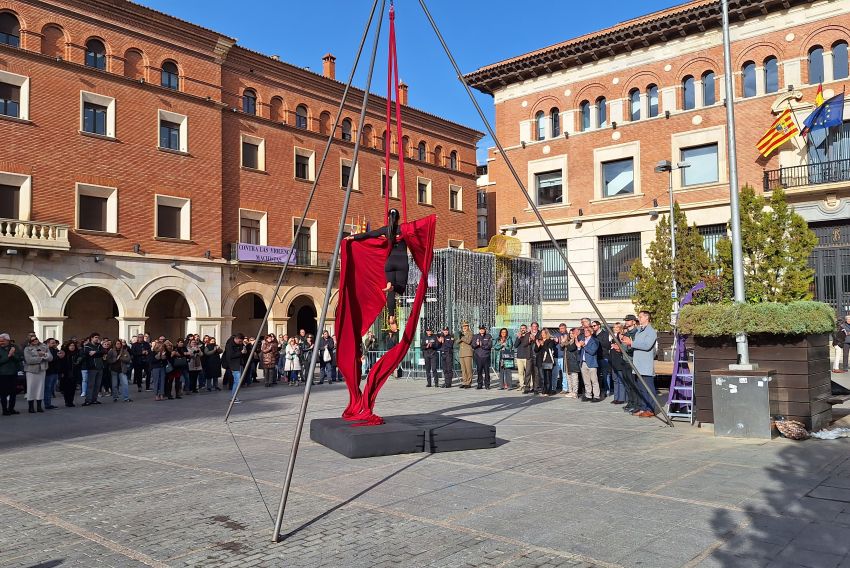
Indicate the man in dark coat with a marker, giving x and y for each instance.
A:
(139, 350)
(482, 345)
(430, 350)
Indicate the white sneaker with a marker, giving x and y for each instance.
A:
(237, 401)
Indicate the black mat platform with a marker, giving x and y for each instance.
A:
(406, 434)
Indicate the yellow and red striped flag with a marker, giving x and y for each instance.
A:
(782, 130)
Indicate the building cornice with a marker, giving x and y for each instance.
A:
(659, 27)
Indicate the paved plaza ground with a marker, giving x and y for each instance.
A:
(571, 484)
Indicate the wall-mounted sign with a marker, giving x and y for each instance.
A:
(259, 253)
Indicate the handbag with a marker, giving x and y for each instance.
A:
(326, 355)
(169, 368)
(548, 365)
(508, 361)
(180, 363)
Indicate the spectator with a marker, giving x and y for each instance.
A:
(482, 346)
(93, 365)
(643, 346)
(845, 327)
(212, 365)
(571, 378)
(70, 360)
(37, 357)
(180, 362)
(292, 364)
(176, 364)
(522, 344)
(195, 358)
(617, 366)
(120, 363)
(11, 359)
(370, 345)
(447, 348)
(234, 351)
(465, 354)
(536, 372)
(140, 351)
(306, 354)
(326, 352)
(588, 348)
(51, 378)
(632, 397)
(390, 341)
(604, 339)
(430, 351)
(506, 359)
(269, 353)
(561, 338)
(546, 362)
(160, 351)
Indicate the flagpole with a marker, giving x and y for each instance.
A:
(741, 344)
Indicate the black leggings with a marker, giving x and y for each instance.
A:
(396, 270)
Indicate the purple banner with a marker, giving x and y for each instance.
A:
(259, 253)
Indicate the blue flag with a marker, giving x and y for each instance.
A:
(830, 113)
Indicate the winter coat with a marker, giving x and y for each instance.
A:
(523, 347)
(268, 354)
(483, 345)
(93, 362)
(195, 356)
(293, 358)
(36, 358)
(10, 364)
(119, 362)
(212, 361)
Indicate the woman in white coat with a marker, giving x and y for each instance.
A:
(36, 357)
(292, 365)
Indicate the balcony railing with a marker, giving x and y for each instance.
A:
(33, 234)
(303, 259)
(809, 174)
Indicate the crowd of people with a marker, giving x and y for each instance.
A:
(99, 367)
(583, 363)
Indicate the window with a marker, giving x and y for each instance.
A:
(550, 188)
(584, 113)
(482, 231)
(305, 167)
(601, 112)
(173, 131)
(393, 183)
(346, 129)
(253, 152)
(94, 119)
(170, 76)
(634, 104)
(10, 197)
(708, 88)
(703, 165)
(15, 196)
(555, 274)
(405, 146)
(689, 95)
(652, 100)
(840, 69)
(555, 121)
(276, 109)
(301, 117)
(366, 136)
(423, 191)
(306, 242)
(422, 152)
(453, 160)
(10, 100)
(617, 253)
(711, 234)
(98, 114)
(95, 54)
(249, 102)
(134, 64)
(97, 208)
(345, 173)
(14, 95)
(53, 41)
(10, 29)
(748, 79)
(816, 65)
(252, 227)
(173, 215)
(771, 75)
(618, 177)
(455, 198)
(540, 125)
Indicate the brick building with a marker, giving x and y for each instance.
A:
(586, 121)
(139, 148)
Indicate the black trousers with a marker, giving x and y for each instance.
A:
(8, 391)
(140, 369)
(431, 368)
(448, 370)
(68, 386)
(482, 365)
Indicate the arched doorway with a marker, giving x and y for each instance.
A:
(90, 310)
(302, 315)
(248, 312)
(17, 311)
(167, 313)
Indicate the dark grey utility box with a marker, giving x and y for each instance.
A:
(742, 403)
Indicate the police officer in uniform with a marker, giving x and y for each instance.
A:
(447, 349)
(430, 351)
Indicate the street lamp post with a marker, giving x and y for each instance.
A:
(667, 166)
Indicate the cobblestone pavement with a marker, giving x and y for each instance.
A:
(571, 484)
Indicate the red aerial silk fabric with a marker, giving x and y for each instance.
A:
(361, 300)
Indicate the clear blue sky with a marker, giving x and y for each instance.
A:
(479, 32)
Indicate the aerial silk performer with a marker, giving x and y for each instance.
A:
(374, 269)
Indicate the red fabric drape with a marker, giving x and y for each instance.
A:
(360, 303)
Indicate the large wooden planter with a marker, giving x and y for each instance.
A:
(802, 386)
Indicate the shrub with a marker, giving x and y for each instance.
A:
(795, 318)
